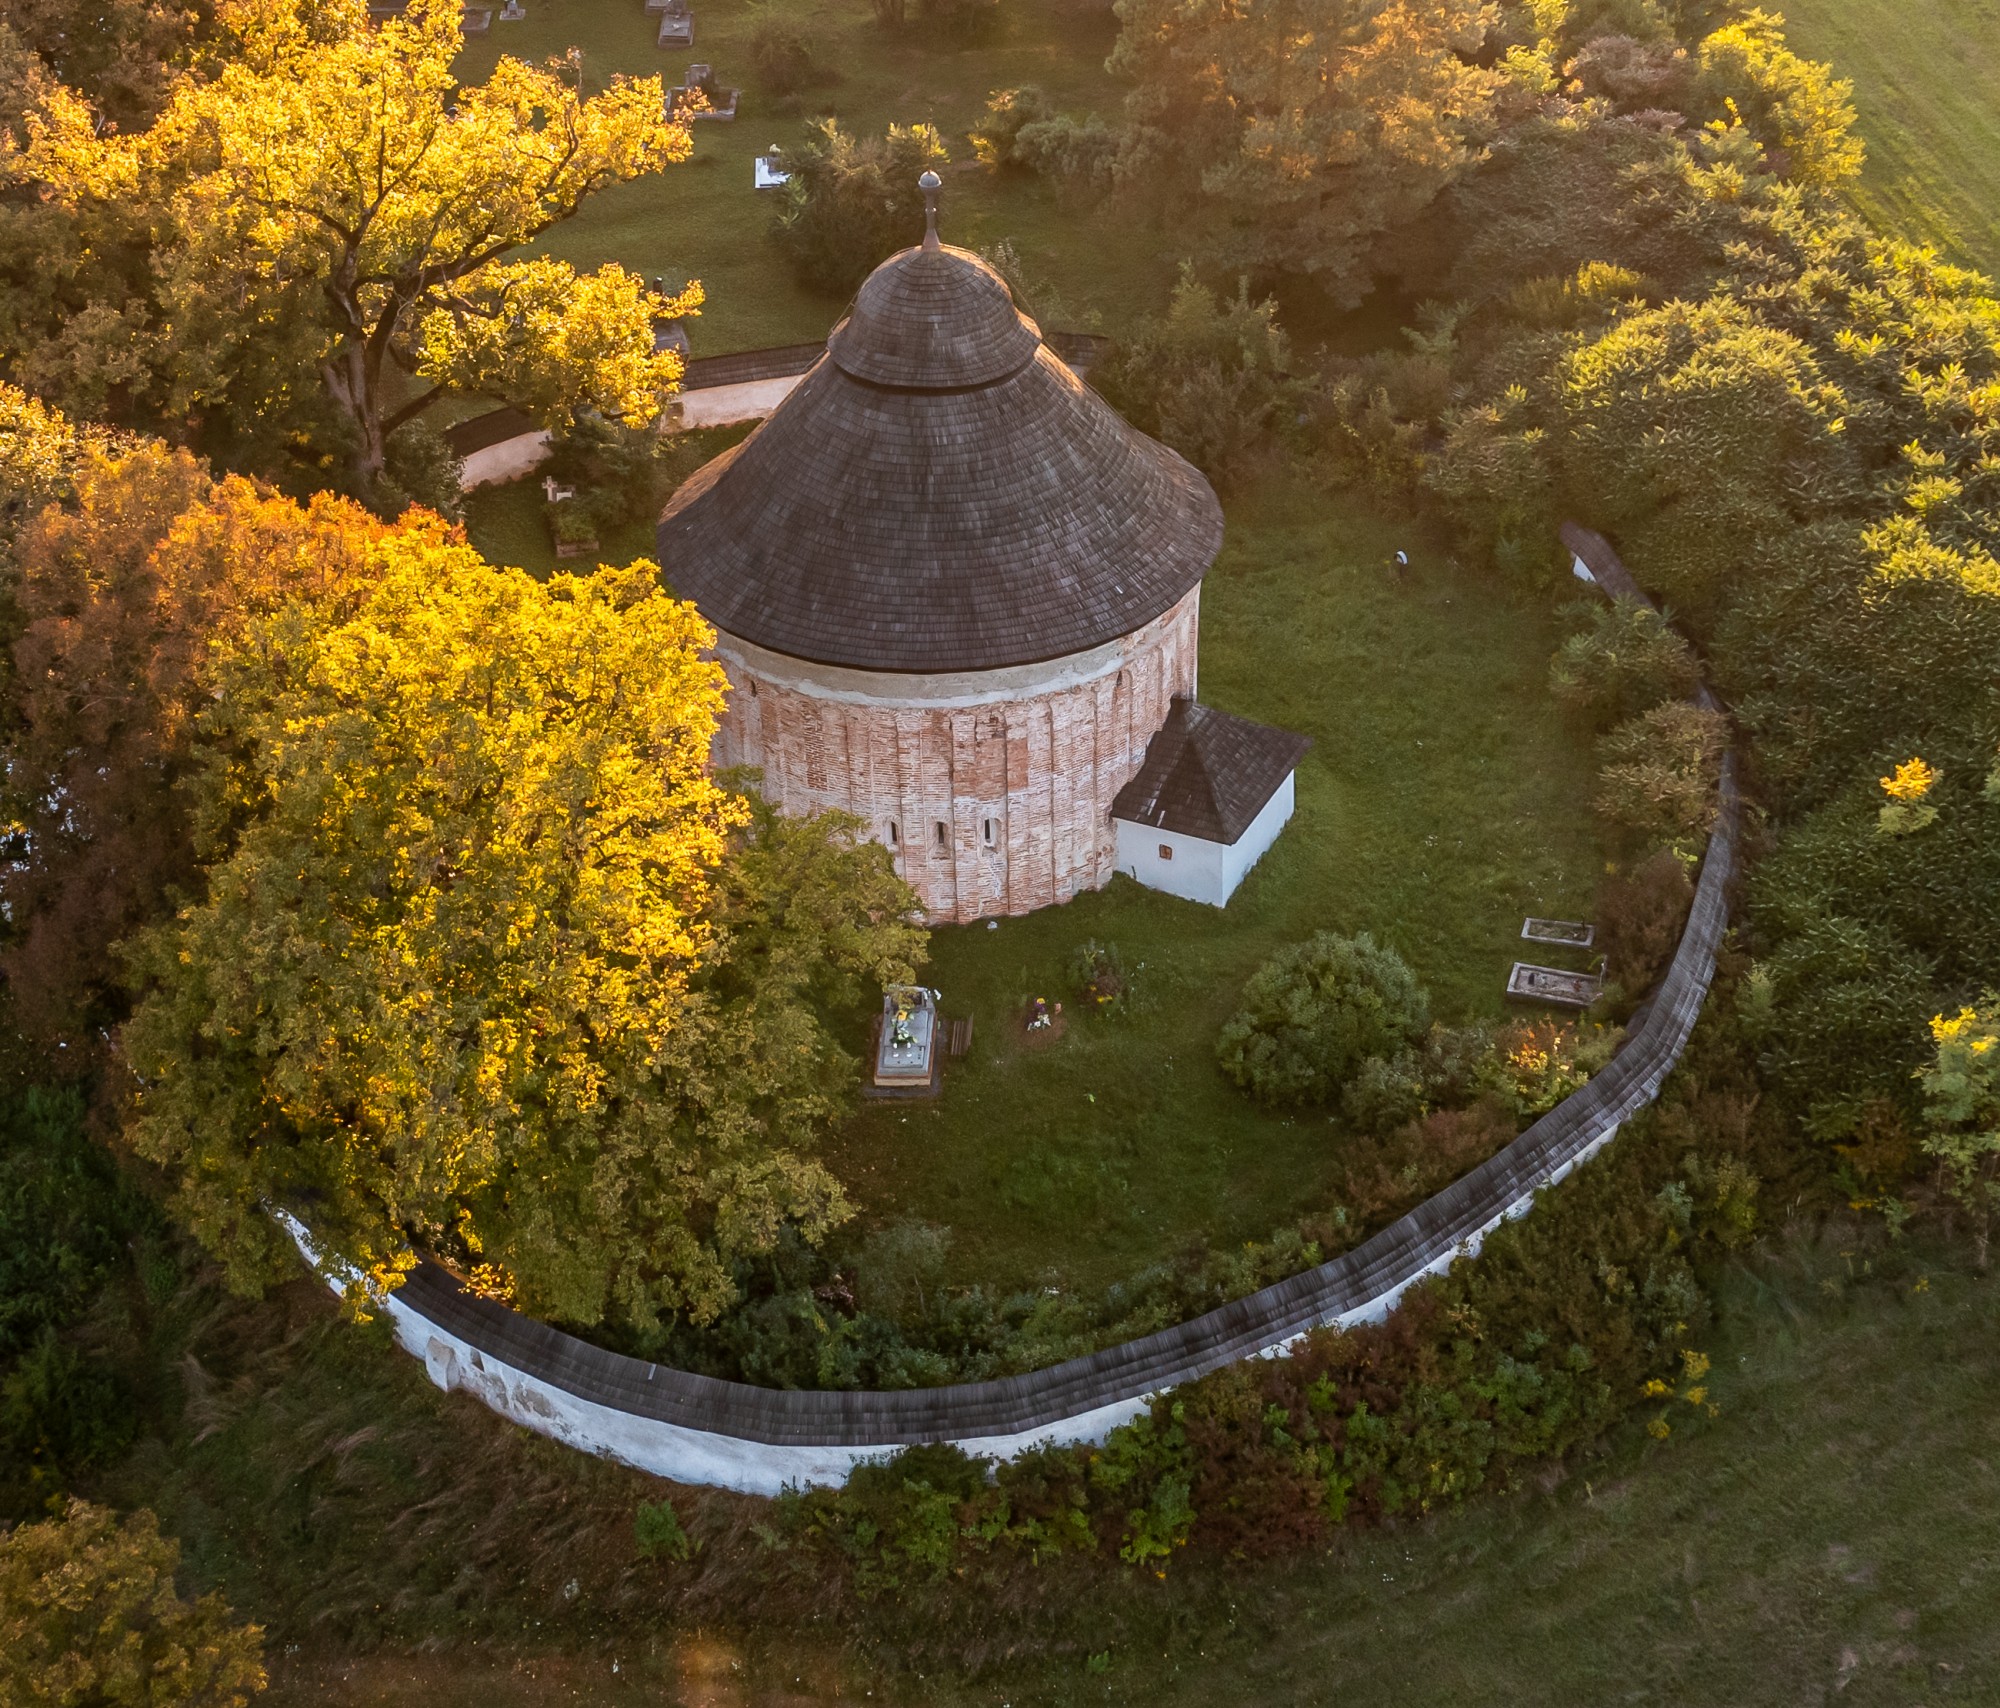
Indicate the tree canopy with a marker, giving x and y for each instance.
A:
(89, 1614)
(488, 960)
(120, 598)
(327, 206)
(1301, 130)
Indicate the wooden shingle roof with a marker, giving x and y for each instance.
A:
(1208, 773)
(940, 492)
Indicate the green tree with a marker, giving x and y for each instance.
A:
(1659, 771)
(1293, 133)
(1625, 661)
(89, 1615)
(1210, 377)
(1316, 1011)
(852, 202)
(318, 216)
(490, 963)
(1697, 427)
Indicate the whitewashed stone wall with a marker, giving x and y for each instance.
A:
(992, 789)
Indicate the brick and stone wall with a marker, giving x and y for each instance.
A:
(992, 788)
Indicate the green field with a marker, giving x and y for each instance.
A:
(1926, 77)
(704, 220)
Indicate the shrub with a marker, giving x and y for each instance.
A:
(1097, 976)
(90, 1615)
(851, 203)
(420, 469)
(1078, 156)
(899, 1267)
(1535, 1064)
(787, 58)
(1660, 772)
(1640, 913)
(658, 1534)
(1627, 661)
(995, 140)
(1210, 377)
(1385, 1092)
(1314, 1013)
(1636, 75)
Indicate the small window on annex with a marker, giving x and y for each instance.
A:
(1166, 852)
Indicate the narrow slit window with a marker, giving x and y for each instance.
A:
(986, 830)
(893, 837)
(943, 836)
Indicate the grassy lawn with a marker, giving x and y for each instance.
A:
(1926, 79)
(1828, 1537)
(1443, 800)
(703, 219)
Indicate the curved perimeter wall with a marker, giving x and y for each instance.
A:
(696, 1429)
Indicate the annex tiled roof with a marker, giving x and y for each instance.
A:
(1208, 773)
(941, 492)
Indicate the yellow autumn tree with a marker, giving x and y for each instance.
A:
(89, 1615)
(488, 962)
(330, 205)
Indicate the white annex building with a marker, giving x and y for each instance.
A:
(1211, 797)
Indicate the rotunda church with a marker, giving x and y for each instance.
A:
(955, 593)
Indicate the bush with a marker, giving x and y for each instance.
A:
(88, 1607)
(1314, 1013)
(1386, 1092)
(1210, 377)
(996, 139)
(1640, 914)
(851, 203)
(1078, 156)
(1097, 977)
(1626, 662)
(787, 59)
(1535, 1064)
(1661, 771)
(658, 1534)
(420, 469)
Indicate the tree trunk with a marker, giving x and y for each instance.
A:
(347, 383)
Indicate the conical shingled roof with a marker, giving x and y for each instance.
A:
(940, 492)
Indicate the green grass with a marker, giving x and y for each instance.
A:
(703, 220)
(1926, 79)
(1442, 801)
(1828, 1537)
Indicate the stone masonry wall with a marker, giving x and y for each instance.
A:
(992, 789)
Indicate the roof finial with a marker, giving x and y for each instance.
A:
(930, 183)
